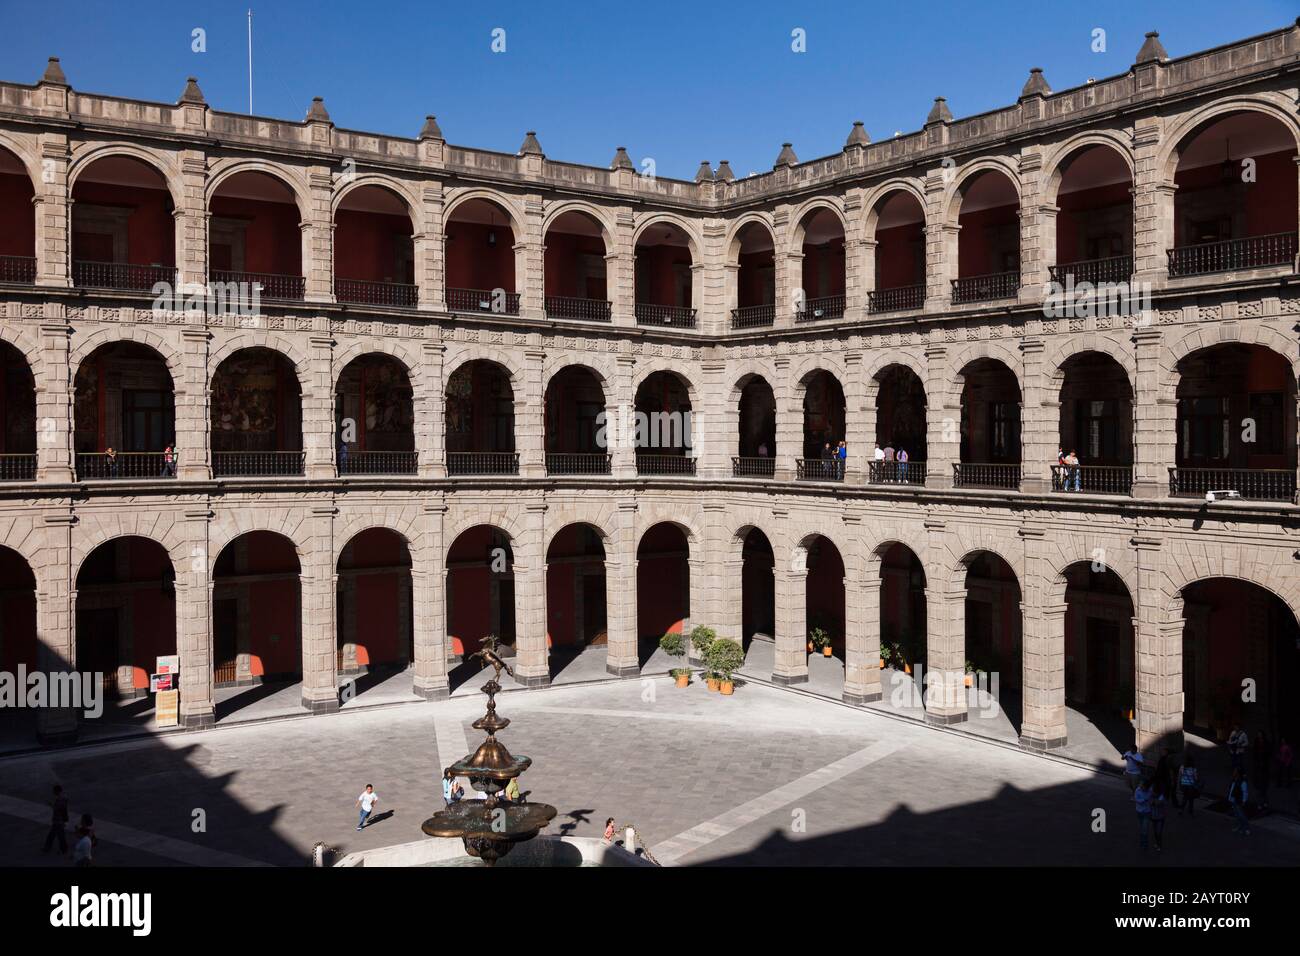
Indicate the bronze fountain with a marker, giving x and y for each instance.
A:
(490, 827)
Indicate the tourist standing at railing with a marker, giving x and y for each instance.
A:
(1058, 473)
(1073, 471)
(901, 457)
(842, 453)
(111, 454)
(762, 450)
(343, 457)
(828, 460)
(169, 461)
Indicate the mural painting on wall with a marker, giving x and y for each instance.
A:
(460, 404)
(388, 400)
(247, 400)
(19, 410)
(85, 407)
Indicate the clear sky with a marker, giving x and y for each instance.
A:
(677, 82)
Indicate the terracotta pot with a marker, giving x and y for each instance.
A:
(713, 683)
(907, 668)
(882, 663)
(727, 687)
(969, 680)
(827, 651)
(683, 680)
(810, 646)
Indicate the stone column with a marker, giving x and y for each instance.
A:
(530, 413)
(619, 425)
(194, 623)
(532, 668)
(1033, 265)
(318, 237)
(620, 262)
(945, 622)
(862, 638)
(791, 664)
(1159, 669)
(1153, 205)
(1040, 419)
(431, 433)
(430, 250)
(942, 419)
(530, 264)
(787, 269)
(709, 435)
(54, 410)
(192, 398)
(428, 577)
(855, 422)
(709, 280)
(319, 583)
(192, 221)
(789, 421)
(856, 280)
(940, 243)
(318, 408)
(55, 627)
(621, 656)
(1155, 418)
(1042, 725)
(53, 201)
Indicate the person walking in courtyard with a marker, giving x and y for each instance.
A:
(1159, 810)
(83, 853)
(1132, 768)
(1165, 775)
(608, 838)
(366, 802)
(58, 822)
(448, 787)
(1189, 779)
(1238, 794)
(1142, 803)
(1238, 744)
(1261, 768)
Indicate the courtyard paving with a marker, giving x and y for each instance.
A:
(766, 776)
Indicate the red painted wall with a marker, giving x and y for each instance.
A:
(974, 252)
(1270, 201)
(473, 264)
(17, 216)
(151, 229)
(17, 612)
(897, 256)
(272, 240)
(824, 594)
(656, 283)
(562, 250)
(823, 269)
(1074, 210)
(365, 246)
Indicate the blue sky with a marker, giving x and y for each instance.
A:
(679, 82)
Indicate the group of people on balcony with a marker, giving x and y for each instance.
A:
(1067, 472)
(889, 463)
(113, 468)
(836, 456)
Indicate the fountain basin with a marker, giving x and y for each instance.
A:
(543, 851)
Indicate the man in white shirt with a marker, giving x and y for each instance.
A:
(366, 802)
(1133, 761)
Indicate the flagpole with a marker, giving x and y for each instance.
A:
(250, 61)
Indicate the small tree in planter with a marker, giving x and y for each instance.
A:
(702, 639)
(674, 645)
(725, 657)
(819, 638)
(888, 654)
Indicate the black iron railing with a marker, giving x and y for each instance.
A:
(19, 270)
(379, 463)
(665, 465)
(823, 309)
(1232, 255)
(998, 285)
(397, 295)
(482, 463)
(1095, 479)
(753, 317)
(483, 300)
(575, 463)
(896, 472)
(752, 467)
(95, 466)
(1254, 484)
(257, 464)
(584, 310)
(1112, 269)
(121, 275)
(819, 469)
(18, 467)
(896, 300)
(986, 475)
(672, 316)
(270, 286)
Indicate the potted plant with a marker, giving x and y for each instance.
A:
(888, 654)
(969, 679)
(701, 639)
(1124, 699)
(712, 680)
(674, 645)
(725, 658)
(820, 640)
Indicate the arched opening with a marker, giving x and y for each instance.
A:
(123, 226)
(903, 633)
(757, 430)
(1235, 205)
(575, 269)
(18, 415)
(17, 222)
(480, 258)
(576, 612)
(988, 243)
(576, 442)
(663, 583)
(993, 636)
(373, 609)
(374, 418)
(256, 415)
(665, 294)
(1241, 662)
(374, 252)
(900, 451)
(255, 236)
(755, 277)
(480, 591)
(19, 645)
(1100, 686)
(1236, 424)
(823, 428)
(663, 426)
(1094, 219)
(256, 619)
(480, 421)
(900, 253)
(1096, 426)
(824, 610)
(758, 591)
(823, 274)
(124, 414)
(126, 614)
(990, 427)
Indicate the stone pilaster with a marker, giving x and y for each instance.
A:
(861, 623)
(788, 268)
(619, 404)
(54, 405)
(192, 221)
(1042, 725)
(945, 622)
(620, 268)
(789, 421)
(942, 419)
(431, 427)
(1155, 418)
(622, 658)
(1159, 639)
(53, 200)
(318, 408)
(1040, 413)
(55, 624)
(791, 573)
(532, 668)
(319, 584)
(709, 438)
(194, 622)
(855, 422)
(1033, 264)
(530, 260)
(428, 590)
(530, 413)
(193, 400)
(430, 250)
(318, 236)
(1153, 204)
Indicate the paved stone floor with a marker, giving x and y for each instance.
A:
(765, 776)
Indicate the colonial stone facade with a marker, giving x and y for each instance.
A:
(1155, 538)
